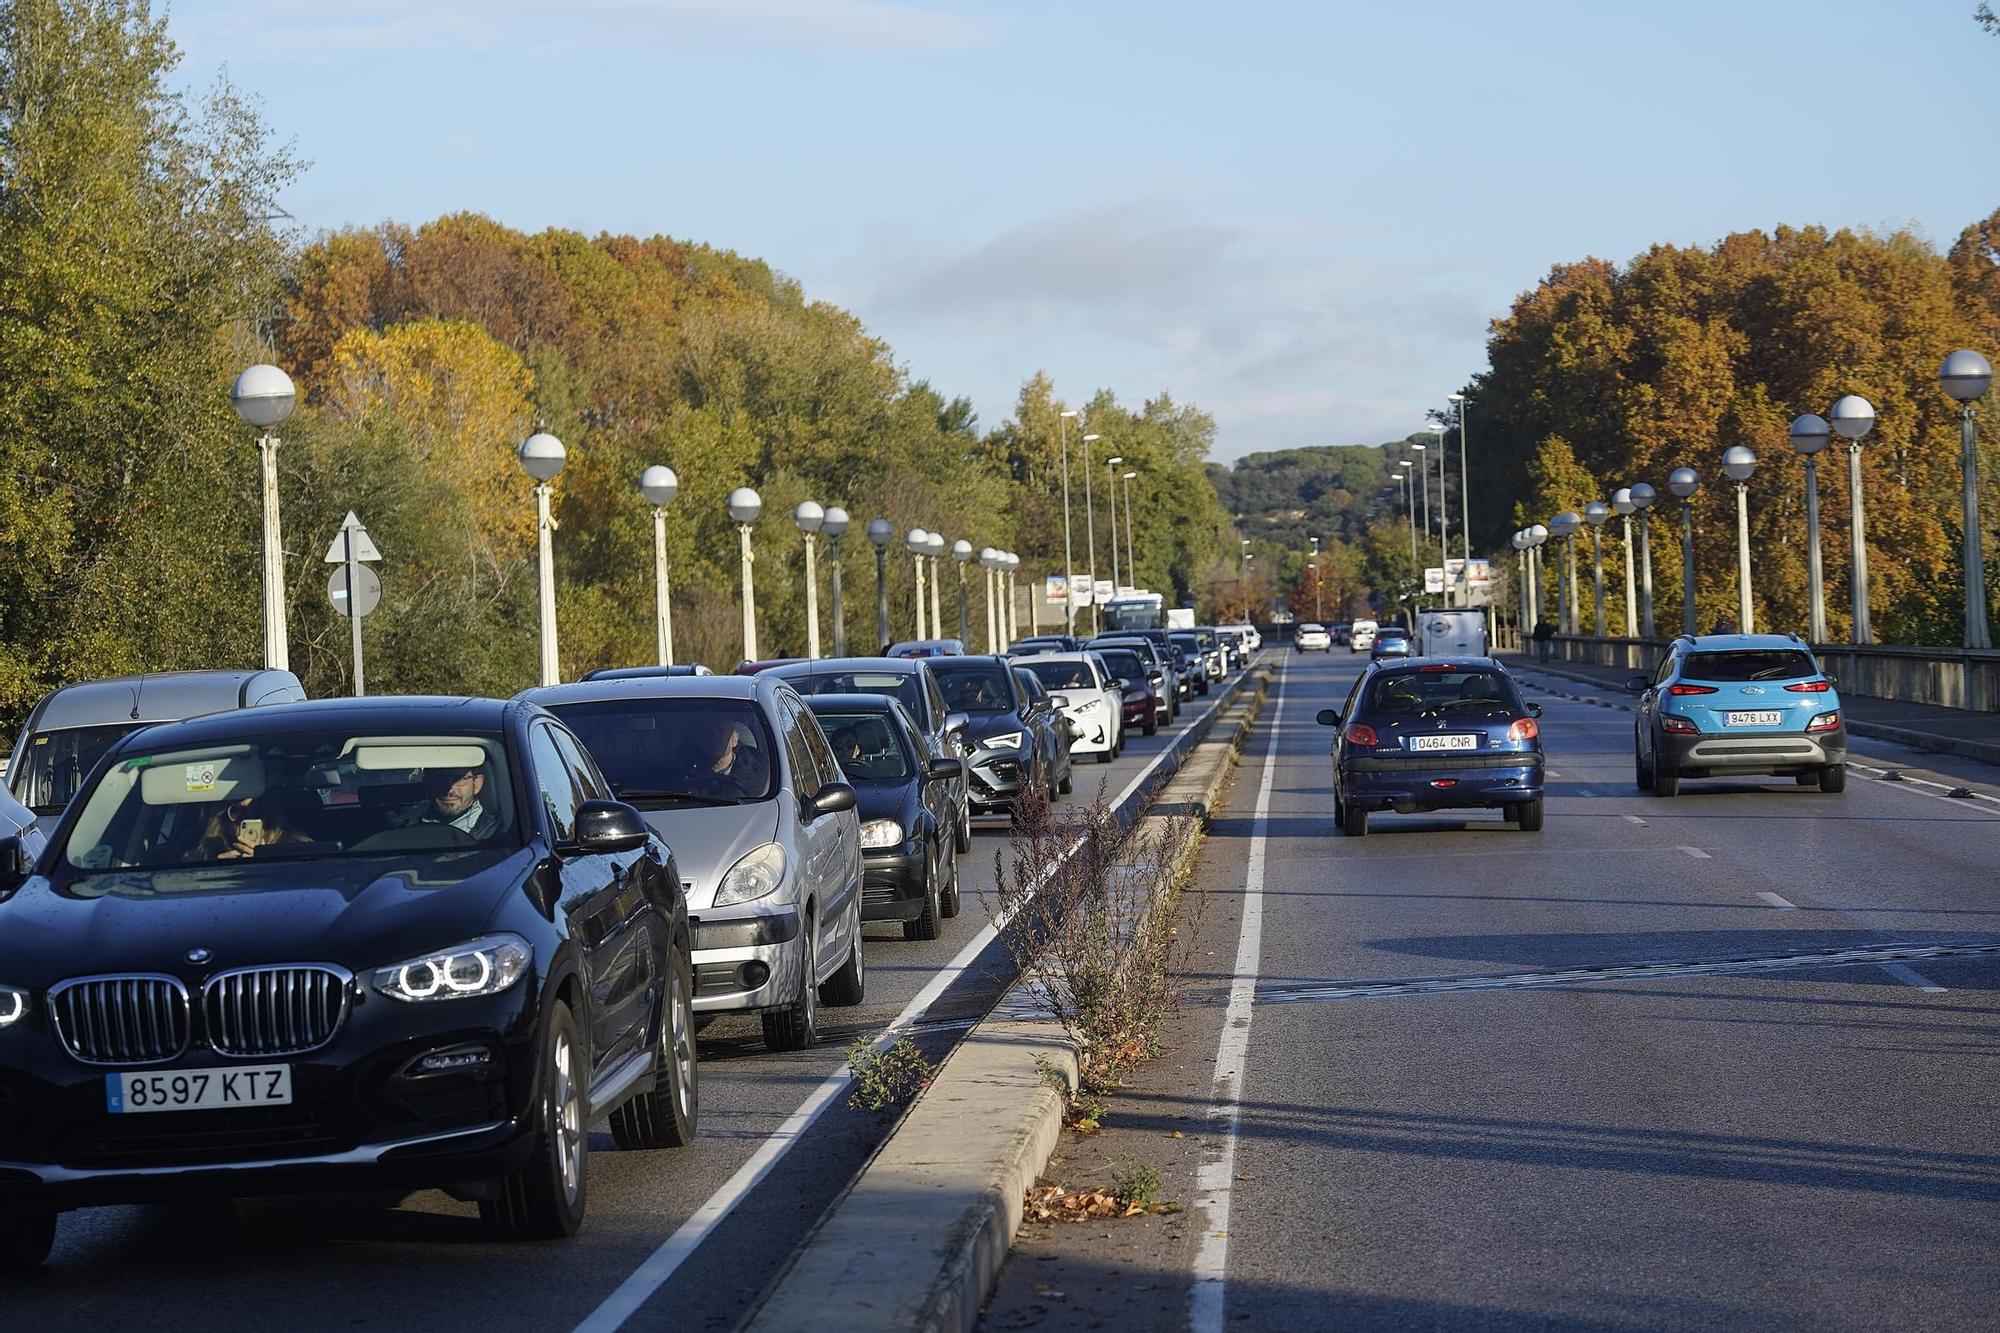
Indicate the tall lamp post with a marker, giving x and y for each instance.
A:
(1597, 514)
(1538, 536)
(1090, 527)
(1069, 550)
(744, 506)
(1444, 525)
(1009, 562)
(1642, 495)
(881, 532)
(1852, 417)
(1621, 505)
(810, 516)
(1684, 482)
(1111, 496)
(1809, 434)
(1464, 492)
(658, 486)
(1520, 545)
(835, 525)
(541, 457)
(1565, 525)
(263, 397)
(961, 551)
(1738, 462)
(934, 548)
(1131, 568)
(1424, 480)
(918, 543)
(989, 560)
(1965, 376)
(1409, 504)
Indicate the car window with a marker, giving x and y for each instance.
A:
(1412, 693)
(976, 689)
(1353, 696)
(934, 695)
(805, 770)
(660, 752)
(1030, 686)
(55, 763)
(556, 784)
(822, 753)
(589, 780)
(869, 747)
(1062, 675)
(1666, 671)
(1749, 664)
(1122, 662)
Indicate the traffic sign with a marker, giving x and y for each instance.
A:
(367, 590)
(364, 548)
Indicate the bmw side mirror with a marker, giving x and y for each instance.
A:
(1637, 684)
(16, 863)
(1328, 717)
(943, 770)
(832, 799)
(606, 827)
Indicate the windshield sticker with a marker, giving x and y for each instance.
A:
(200, 777)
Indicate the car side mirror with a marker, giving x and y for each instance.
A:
(1638, 684)
(1059, 701)
(955, 722)
(832, 799)
(17, 862)
(1534, 710)
(944, 770)
(607, 827)
(1328, 717)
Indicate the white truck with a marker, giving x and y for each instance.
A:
(1454, 632)
(1180, 617)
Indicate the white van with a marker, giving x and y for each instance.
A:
(1459, 632)
(1362, 637)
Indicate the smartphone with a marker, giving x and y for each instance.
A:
(251, 831)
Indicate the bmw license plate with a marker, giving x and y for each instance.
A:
(1455, 741)
(198, 1089)
(1752, 719)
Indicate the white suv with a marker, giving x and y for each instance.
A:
(1313, 639)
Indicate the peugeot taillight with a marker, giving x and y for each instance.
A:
(1690, 689)
(1524, 729)
(1824, 722)
(1808, 687)
(1360, 733)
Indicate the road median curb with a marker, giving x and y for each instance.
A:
(918, 1240)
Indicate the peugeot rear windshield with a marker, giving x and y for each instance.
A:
(1430, 690)
(1749, 664)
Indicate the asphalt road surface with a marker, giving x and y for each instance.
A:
(1706, 1132)
(677, 1239)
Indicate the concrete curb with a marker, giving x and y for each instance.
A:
(1927, 741)
(919, 1239)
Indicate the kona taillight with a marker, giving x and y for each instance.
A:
(1524, 729)
(1808, 687)
(1824, 722)
(1679, 726)
(1360, 733)
(1690, 689)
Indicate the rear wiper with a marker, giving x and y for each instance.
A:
(1460, 703)
(686, 797)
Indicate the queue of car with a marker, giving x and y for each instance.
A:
(426, 943)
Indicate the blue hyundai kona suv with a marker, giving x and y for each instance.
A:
(1728, 705)
(1447, 733)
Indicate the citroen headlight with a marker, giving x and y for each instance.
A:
(1006, 741)
(478, 967)
(881, 833)
(757, 875)
(13, 1005)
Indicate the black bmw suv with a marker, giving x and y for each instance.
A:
(410, 942)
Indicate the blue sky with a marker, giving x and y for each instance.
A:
(1298, 216)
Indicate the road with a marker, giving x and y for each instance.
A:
(424, 1261)
(1673, 1144)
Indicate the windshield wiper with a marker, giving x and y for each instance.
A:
(685, 797)
(1494, 704)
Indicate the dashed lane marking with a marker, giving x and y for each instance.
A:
(1696, 852)
(1633, 819)
(1909, 976)
(1776, 901)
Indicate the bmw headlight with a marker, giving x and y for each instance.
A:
(478, 967)
(757, 875)
(1006, 741)
(881, 833)
(13, 1005)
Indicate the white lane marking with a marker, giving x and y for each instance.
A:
(1633, 819)
(1776, 901)
(661, 1264)
(1696, 852)
(1909, 976)
(1217, 1177)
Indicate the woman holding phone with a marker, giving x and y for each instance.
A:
(239, 829)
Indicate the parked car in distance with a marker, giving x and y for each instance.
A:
(72, 727)
(1312, 638)
(1340, 629)
(645, 672)
(738, 778)
(1451, 632)
(1141, 700)
(912, 683)
(1361, 636)
(908, 812)
(1053, 730)
(1007, 756)
(1452, 734)
(1733, 705)
(1045, 643)
(1390, 641)
(1088, 696)
(927, 648)
(1201, 669)
(359, 943)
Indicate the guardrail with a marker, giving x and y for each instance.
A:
(1943, 677)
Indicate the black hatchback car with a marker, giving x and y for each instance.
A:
(909, 871)
(1444, 734)
(404, 942)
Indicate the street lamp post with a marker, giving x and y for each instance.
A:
(1642, 496)
(1444, 525)
(541, 457)
(1424, 480)
(881, 532)
(1565, 525)
(1538, 536)
(1111, 494)
(1519, 543)
(1069, 550)
(1009, 562)
(658, 486)
(1597, 514)
(1852, 417)
(1621, 505)
(1090, 527)
(934, 548)
(1684, 482)
(1738, 462)
(1464, 492)
(1409, 505)
(961, 551)
(917, 542)
(1965, 376)
(989, 560)
(1809, 434)
(836, 524)
(744, 506)
(263, 397)
(1131, 568)
(810, 516)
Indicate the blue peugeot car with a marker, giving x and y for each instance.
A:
(1724, 705)
(1440, 734)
